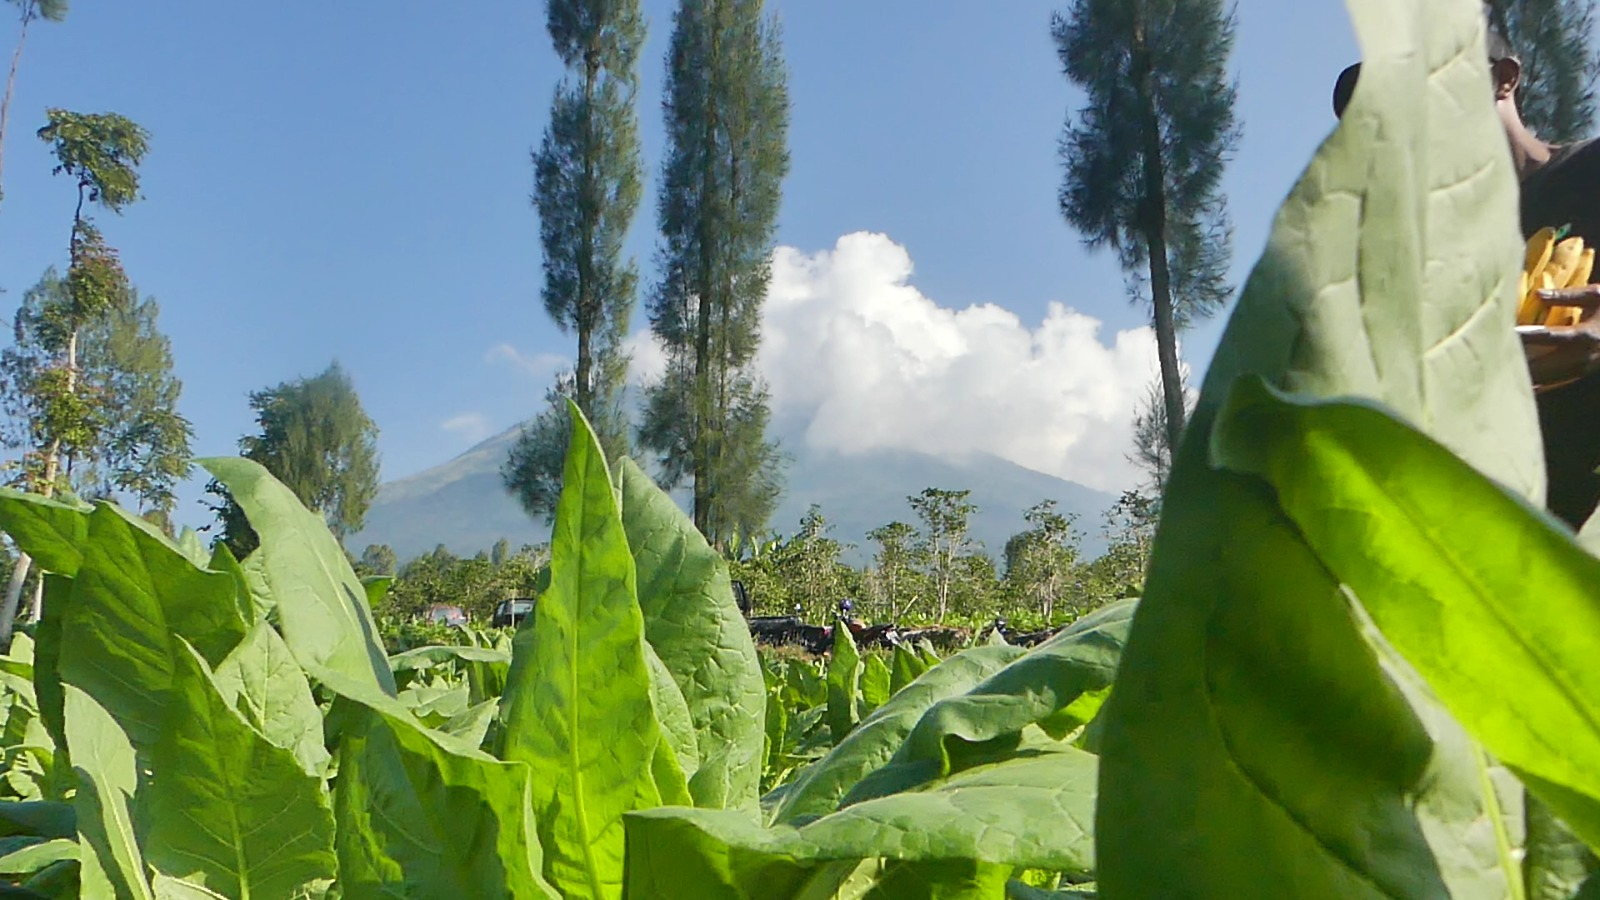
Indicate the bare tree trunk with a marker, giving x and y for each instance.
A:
(5, 116)
(1155, 233)
(702, 444)
(8, 608)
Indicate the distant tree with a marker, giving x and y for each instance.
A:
(476, 585)
(727, 116)
(101, 153)
(379, 559)
(1130, 529)
(1042, 561)
(317, 439)
(975, 585)
(587, 176)
(143, 451)
(500, 553)
(943, 538)
(28, 12)
(1144, 157)
(809, 564)
(895, 566)
(1554, 39)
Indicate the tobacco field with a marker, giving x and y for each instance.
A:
(1364, 664)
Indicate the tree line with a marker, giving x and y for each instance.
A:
(929, 569)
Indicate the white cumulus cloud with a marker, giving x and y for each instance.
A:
(852, 348)
(473, 426)
(862, 360)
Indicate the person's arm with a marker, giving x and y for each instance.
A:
(1559, 354)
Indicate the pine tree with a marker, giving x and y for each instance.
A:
(1144, 157)
(727, 113)
(586, 188)
(1554, 39)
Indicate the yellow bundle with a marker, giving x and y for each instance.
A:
(1551, 264)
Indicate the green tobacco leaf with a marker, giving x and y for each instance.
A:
(103, 759)
(222, 560)
(471, 728)
(875, 682)
(578, 700)
(1051, 691)
(428, 657)
(821, 787)
(1252, 728)
(418, 820)
(1500, 609)
(906, 668)
(1032, 812)
(261, 680)
(677, 725)
(377, 587)
(696, 628)
(36, 856)
(196, 603)
(321, 604)
(226, 810)
(777, 729)
(132, 595)
(51, 532)
(844, 683)
(193, 550)
(486, 667)
(1039, 688)
(47, 656)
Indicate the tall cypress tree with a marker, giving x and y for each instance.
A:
(1144, 157)
(586, 188)
(1554, 39)
(727, 116)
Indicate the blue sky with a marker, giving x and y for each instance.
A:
(351, 180)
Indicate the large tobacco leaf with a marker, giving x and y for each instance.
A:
(1488, 597)
(1034, 811)
(1044, 687)
(112, 866)
(1252, 726)
(50, 531)
(844, 682)
(578, 701)
(820, 788)
(302, 572)
(695, 627)
(132, 598)
(224, 808)
(417, 819)
(261, 680)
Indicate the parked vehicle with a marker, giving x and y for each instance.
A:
(510, 613)
(445, 614)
